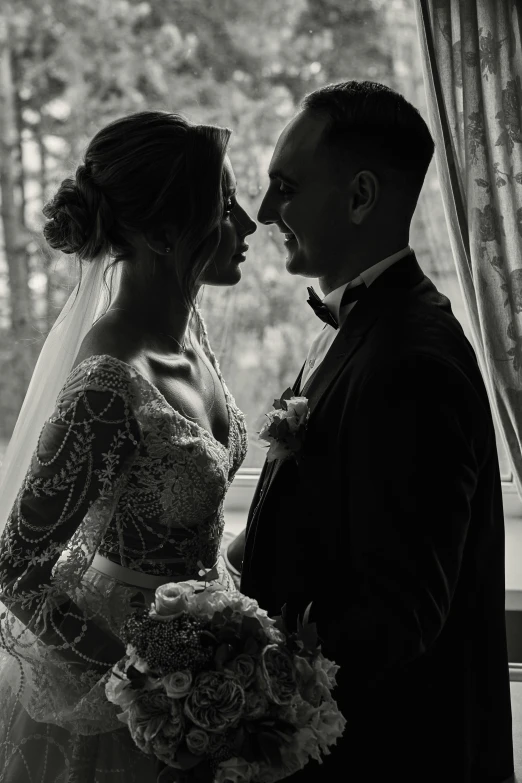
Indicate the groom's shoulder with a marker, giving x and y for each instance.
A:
(422, 334)
(424, 319)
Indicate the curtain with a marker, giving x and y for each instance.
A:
(472, 65)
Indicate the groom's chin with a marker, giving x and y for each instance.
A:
(293, 262)
(296, 265)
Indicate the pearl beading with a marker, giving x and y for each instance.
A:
(151, 497)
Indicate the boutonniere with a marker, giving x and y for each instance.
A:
(285, 427)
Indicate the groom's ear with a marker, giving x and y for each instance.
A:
(365, 193)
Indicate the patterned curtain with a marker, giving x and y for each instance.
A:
(472, 61)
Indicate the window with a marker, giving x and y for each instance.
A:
(263, 326)
(142, 57)
(242, 64)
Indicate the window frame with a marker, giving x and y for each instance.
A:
(248, 477)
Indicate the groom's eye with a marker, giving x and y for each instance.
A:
(285, 190)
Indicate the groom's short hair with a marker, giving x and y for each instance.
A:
(373, 125)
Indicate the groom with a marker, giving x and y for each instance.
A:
(391, 521)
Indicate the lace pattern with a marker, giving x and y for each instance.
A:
(117, 471)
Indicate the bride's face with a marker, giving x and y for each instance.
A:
(236, 225)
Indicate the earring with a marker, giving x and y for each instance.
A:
(168, 249)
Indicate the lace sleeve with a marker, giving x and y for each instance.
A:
(78, 468)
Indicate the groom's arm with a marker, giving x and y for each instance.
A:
(234, 554)
(235, 551)
(414, 453)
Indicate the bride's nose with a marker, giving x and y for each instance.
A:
(245, 224)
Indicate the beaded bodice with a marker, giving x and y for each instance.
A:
(116, 471)
(169, 517)
(114, 437)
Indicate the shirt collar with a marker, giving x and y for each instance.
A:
(333, 299)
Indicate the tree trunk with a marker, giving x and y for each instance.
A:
(15, 235)
(18, 151)
(47, 256)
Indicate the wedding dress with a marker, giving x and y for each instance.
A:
(118, 477)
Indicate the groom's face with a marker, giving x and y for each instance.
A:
(308, 200)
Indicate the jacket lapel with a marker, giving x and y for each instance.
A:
(270, 468)
(385, 293)
(297, 384)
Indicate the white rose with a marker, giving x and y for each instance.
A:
(299, 405)
(293, 424)
(297, 412)
(256, 705)
(171, 600)
(306, 745)
(177, 684)
(134, 660)
(277, 450)
(328, 724)
(272, 416)
(328, 668)
(120, 692)
(249, 607)
(197, 741)
(234, 771)
(208, 602)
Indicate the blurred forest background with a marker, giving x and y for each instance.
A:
(67, 67)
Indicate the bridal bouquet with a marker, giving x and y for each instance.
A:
(219, 692)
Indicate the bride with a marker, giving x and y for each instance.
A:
(122, 488)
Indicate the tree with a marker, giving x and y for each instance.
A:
(237, 63)
(15, 235)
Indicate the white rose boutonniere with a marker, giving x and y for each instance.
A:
(285, 427)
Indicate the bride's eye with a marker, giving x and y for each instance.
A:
(230, 203)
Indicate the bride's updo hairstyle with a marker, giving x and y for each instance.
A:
(138, 173)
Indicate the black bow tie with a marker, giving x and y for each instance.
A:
(321, 310)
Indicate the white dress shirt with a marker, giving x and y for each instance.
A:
(322, 343)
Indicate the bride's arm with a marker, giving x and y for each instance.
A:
(81, 460)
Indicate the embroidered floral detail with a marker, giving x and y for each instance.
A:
(509, 117)
(490, 224)
(119, 472)
(476, 138)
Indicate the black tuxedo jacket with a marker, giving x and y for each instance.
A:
(391, 523)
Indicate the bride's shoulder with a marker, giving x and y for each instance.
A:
(105, 360)
(109, 337)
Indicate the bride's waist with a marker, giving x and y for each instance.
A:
(142, 579)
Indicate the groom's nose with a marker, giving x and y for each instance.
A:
(267, 213)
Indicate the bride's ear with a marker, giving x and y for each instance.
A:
(160, 240)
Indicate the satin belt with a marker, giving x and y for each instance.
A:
(129, 576)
